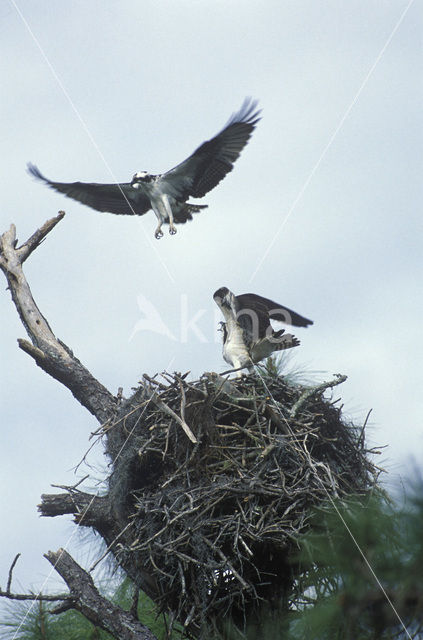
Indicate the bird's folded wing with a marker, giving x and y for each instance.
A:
(275, 310)
(113, 198)
(210, 163)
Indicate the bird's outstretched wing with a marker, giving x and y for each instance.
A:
(113, 198)
(275, 310)
(209, 164)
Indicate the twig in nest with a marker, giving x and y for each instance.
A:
(339, 379)
(183, 398)
(228, 563)
(164, 407)
(361, 437)
(109, 548)
(70, 488)
(155, 382)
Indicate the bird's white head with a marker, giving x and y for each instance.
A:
(140, 176)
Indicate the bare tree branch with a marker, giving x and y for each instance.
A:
(52, 355)
(35, 596)
(35, 240)
(28, 596)
(86, 599)
(12, 566)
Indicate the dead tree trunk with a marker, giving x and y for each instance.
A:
(50, 353)
(58, 360)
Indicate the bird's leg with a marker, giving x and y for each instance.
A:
(158, 232)
(237, 363)
(168, 209)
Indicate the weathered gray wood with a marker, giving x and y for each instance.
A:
(89, 510)
(58, 360)
(311, 391)
(52, 355)
(86, 599)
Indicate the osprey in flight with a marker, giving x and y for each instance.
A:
(167, 193)
(248, 336)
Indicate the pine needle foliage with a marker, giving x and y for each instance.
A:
(362, 572)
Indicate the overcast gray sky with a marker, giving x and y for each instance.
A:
(322, 212)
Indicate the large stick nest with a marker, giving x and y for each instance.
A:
(215, 522)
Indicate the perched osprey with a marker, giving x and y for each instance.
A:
(167, 193)
(248, 336)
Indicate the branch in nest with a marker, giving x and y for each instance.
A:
(164, 407)
(339, 379)
(54, 357)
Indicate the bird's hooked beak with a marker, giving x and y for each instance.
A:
(220, 296)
